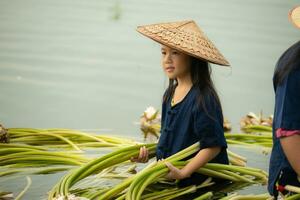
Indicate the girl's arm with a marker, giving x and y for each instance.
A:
(291, 148)
(200, 159)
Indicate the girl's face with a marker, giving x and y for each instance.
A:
(175, 63)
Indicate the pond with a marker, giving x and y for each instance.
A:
(81, 65)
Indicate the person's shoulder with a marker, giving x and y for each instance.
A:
(207, 100)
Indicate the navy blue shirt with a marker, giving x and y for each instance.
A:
(286, 116)
(187, 123)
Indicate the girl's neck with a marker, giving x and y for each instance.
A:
(184, 82)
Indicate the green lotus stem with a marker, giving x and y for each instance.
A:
(161, 194)
(117, 140)
(96, 194)
(53, 132)
(258, 128)
(38, 159)
(29, 154)
(78, 134)
(9, 145)
(189, 190)
(236, 162)
(10, 172)
(25, 165)
(293, 197)
(248, 136)
(137, 191)
(121, 197)
(50, 170)
(117, 189)
(212, 173)
(55, 136)
(13, 150)
(229, 141)
(237, 176)
(20, 195)
(207, 195)
(243, 170)
(292, 188)
(234, 155)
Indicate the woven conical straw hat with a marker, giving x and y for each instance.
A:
(294, 16)
(184, 36)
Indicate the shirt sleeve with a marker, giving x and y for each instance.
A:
(285, 133)
(208, 125)
(290, 118)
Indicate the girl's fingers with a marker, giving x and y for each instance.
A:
(145, 156)
(140, 154)
(170, 166)
(142, 157)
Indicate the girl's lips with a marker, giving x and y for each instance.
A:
(170, 69)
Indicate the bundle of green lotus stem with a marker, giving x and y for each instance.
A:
(254, 123)
(249, 139)
(228, 172)
(65, 138)
(19, 158)
(138, 183)
(96, 166)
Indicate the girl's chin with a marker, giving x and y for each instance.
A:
(170, 75)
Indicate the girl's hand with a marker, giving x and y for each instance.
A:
(143, 156)
(175, 173)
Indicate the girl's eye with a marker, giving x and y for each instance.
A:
(174, 52)
(163, 53)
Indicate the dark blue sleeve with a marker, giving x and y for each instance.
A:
(208, 126)
(290, 118)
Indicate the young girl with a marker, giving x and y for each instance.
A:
(285, 160)
(191, 109)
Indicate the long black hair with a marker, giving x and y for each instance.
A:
(201, 79)
(289, 61)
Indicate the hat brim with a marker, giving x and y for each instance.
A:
(182, 50)
(186, 37)
(294, 16)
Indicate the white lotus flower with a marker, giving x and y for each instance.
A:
(150, 112)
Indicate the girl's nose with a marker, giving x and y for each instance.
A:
(167, 58)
